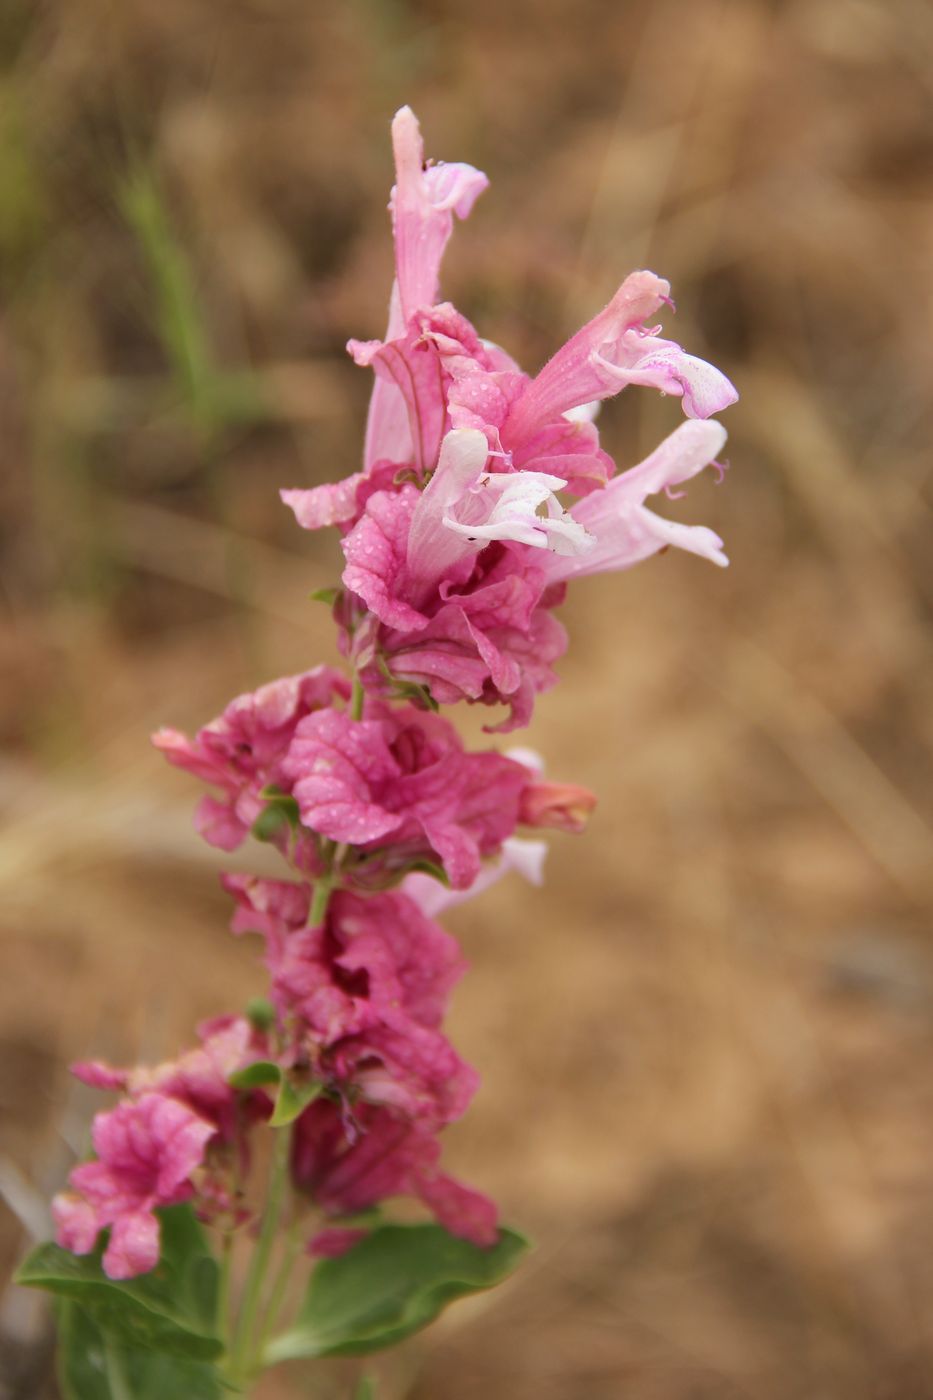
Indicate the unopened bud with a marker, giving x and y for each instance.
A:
(563, 806)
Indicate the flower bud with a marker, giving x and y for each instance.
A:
(563, 806)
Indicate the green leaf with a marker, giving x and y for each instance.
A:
(260, 1013)
(172, 1309)
(281, 810)
(292, 1098)
(366, 1390)
(430, 867)
(324, 595)
(254, 1076)
(391, 1284)
(407, 690)
(93, 1367)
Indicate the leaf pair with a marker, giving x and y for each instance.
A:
(155, 1336)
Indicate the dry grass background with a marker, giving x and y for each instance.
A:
(705, 1046)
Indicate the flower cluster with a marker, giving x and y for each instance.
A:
(483, 492)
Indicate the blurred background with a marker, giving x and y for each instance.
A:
(705, 1046)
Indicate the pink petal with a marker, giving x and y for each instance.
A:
(134, 1246)
(461, 1210)
(625, 531)
(334, 1241)
(76, 1223)
(433, 552)
(99, 1075)
(332, 504)
(662, 364)
(525, 857)
(333, 761)
(570, 377)
(219, 824)
(375, 551)
(423, 203)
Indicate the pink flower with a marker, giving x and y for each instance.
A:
(199, 1078)
(493, 642)
(349, 1170)
(399, 783)
(612, 350)
(147, 1151)
(274, 908)
(624, 529)
(241, 752)
(451, 530)
(472, 622)
(406, 416)
(363, 995)
(374, 960)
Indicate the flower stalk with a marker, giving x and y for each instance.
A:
(483, 493)
(244, 1355)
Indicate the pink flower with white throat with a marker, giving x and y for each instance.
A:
(624, 530)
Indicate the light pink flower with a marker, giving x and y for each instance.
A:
(147, 1151)
(351, 1168)
(241, 752)
(400, 783)
(612, 350)
(624, 529)
(406, 413)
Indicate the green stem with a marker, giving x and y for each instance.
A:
(243, 1358)
(280, 1286)
(116, 1374)
(357, 698)
(223, 1287)
(320, 902)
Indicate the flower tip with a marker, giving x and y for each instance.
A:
(646, 286)
(407, 144)
(704, 437)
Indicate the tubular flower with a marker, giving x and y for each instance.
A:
(455, 536)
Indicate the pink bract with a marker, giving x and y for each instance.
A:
(399, 786)
(198, 1078)
(241, 752)
(348, 1166)
(363, 995)
(147, 1151)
